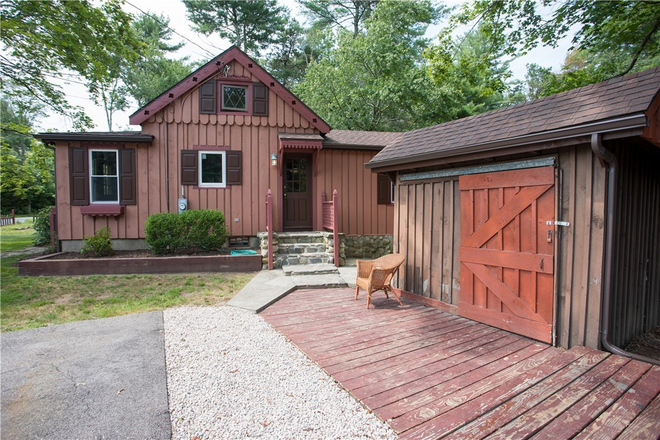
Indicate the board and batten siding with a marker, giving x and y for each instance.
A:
(180, 126)
(359, 212)
(427, 230)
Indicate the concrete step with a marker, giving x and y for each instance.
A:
(319, 281)
(310, 269)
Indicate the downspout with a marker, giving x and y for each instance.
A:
(51, 147)
(167, 165)
(608, 159)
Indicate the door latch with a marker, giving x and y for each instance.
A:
(557, 223)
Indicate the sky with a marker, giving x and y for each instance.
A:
(200, 48)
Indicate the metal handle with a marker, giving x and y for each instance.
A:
(541, 263)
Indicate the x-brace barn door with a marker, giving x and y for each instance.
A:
(507, 250)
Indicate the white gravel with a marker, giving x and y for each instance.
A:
(230, 375)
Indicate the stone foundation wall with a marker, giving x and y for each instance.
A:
(368, 246)
(301, 248)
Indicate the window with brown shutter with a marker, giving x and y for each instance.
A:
(259, 99)
(384, 190)
(208, 97)
(190, 167)
(127, 177)
(79, 176)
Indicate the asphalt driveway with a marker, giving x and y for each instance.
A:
(103, 378)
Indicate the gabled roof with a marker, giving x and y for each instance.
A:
(617, 104)
(97, 136)
(211, 68)
(359, 140)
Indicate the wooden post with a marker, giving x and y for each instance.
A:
(269, 227)
(53, 226)
(335, 224)
(13, 217)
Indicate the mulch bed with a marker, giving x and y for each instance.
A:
(647, 345)
(144, 254)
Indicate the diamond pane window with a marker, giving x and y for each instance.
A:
(234, 98)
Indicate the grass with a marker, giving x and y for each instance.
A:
(29, 302)
(16, 237)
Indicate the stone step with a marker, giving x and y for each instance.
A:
(304, 259)
(309, 269)
(301, 248)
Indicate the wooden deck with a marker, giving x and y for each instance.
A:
(431, 374)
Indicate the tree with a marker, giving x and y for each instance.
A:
(294, 50)
(377, 80)
(154, 71)
(52, 39)
(344, 14)
(26, 166)
(250, 25)
(626, 30)
(477, 76)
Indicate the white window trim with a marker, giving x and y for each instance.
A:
(201, 184)
(234, 109)
(92, 175)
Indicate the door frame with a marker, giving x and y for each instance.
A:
(313, 155)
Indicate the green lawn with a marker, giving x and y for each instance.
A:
(28, 302)
(15, 237)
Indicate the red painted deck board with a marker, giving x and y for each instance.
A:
(431, 374)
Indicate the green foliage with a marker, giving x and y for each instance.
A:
(98, 245)
(45, 39)
(169, 232)
(376, 80)
(612, 38)
(154, 72)
(42, 227)
(250, 25)
(348, 15)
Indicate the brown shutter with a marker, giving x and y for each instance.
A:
(79, 176)
(234, 173)
(259, 99)
(208, 97)
(188, 167)
(384, 186)
(127, 177)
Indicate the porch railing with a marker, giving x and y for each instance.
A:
(269, 227)
(8, 219)
(330, 216)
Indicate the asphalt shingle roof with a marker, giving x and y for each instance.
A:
(360, 138)
(615, 98)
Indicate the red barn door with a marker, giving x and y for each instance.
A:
(507, 250)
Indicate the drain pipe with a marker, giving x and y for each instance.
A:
(608, 159)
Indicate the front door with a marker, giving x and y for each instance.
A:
(297, 192)
(507, 250)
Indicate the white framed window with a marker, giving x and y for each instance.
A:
(104, 176)
(212, 169)
(234, 98)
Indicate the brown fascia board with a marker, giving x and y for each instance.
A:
(95, 137)
(209, 69)
(427, 159)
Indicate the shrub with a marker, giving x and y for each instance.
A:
(98, 245)
(201, 229)
(42, 227)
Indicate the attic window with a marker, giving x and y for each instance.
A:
(234, 98)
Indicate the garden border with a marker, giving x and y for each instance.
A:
(49, 265)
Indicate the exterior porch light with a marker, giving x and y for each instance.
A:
(273, 160)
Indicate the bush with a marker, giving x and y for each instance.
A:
(201, 229)
(42, 227)
(98, 245)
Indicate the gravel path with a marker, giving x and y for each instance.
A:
(230, 375)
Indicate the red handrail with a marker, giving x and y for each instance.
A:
(269, 227)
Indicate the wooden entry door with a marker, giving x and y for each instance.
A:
(297, 192)
(507, 250)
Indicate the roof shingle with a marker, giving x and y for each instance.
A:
(614, 98)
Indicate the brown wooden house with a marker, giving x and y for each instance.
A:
(543, 218)
(210, 142)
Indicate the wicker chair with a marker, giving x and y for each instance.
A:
(373, 275)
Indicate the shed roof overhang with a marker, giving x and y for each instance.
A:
(628, 126)
(105, 137)
(300, 141)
